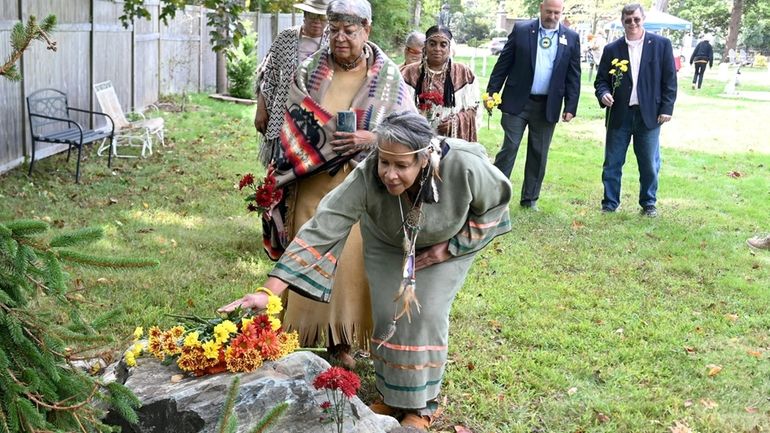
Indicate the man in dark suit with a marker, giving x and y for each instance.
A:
(540, 68)
(641, 102)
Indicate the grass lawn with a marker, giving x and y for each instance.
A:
(574, 322)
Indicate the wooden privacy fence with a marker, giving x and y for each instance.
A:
(145, 61)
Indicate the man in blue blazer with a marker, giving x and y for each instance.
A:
(539, 67)
(641, 101)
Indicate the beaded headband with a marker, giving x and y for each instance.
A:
(380, 149)
(441, 36)
(348, 18)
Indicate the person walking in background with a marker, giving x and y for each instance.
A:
(596, 45)
(637, 107)
(538, 70)
(289, 49)
(702, 55)
(413, 49)
(447, 93)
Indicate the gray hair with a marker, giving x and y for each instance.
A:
(407, 128)
(344, 10)
(415, 40)
(630, 9)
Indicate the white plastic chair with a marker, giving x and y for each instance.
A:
(133, 134)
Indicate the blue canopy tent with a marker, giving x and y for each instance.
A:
(655, 21)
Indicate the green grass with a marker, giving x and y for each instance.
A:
(575, 321)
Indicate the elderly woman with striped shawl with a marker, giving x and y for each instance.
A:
(426, 207)
(447, 93)
(290, 48)
(355, 75)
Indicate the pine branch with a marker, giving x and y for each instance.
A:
(105, 262)
(227, 411)
(270, 418)
(77, 237)
(21, 37)
(124, 401)
(26, 227)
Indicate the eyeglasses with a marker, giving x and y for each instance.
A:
(315, 17)
(346, 34)
(630, 20)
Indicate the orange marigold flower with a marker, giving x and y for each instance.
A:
(269, 345)
(289, 342)
(154, 332)
(176, 331)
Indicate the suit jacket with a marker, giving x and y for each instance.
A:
(515, 68)
(656, 89)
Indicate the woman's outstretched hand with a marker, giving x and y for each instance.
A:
(350, 143)
(432, 255)
(253, 301)
(258, 300)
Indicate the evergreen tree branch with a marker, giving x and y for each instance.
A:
(78, 237)
(22, 37)
(227, 410)
(270, 418)
(56, 406)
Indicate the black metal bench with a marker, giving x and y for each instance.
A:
(50, 122)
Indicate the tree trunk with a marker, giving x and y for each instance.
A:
(416, 10)
(661, 5)
(735, 26)
(221, 73)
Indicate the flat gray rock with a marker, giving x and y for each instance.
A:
(194, 404)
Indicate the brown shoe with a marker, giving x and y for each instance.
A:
(416, 421)
(381, 408)
(759, 243)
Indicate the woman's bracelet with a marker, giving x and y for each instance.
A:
(265, 290)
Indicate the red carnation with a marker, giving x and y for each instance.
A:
(266, 194)
(337, 378)
(246, 180)
(326, 405)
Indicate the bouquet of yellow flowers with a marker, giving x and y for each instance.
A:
(490, 102)
(619, 67)
(238, 342)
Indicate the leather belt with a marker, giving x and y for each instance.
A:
(538, 98)
(633, 107)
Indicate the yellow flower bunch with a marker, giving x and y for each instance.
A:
(619, 67)
(490, 103)
(240, 342)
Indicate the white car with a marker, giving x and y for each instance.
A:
(496, 45)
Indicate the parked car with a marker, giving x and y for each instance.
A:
(496, 45)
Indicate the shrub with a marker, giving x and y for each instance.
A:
(242, 67)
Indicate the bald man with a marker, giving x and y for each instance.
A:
(539, 73)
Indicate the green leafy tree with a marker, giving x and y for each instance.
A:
(23, 35)
(391, 21)
(44, 334)
(474, 24)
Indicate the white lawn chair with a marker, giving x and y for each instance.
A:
(133, 134)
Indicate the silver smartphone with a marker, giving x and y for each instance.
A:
(346, 121)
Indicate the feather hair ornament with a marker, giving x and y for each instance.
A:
(434, 154)
(406, 294)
